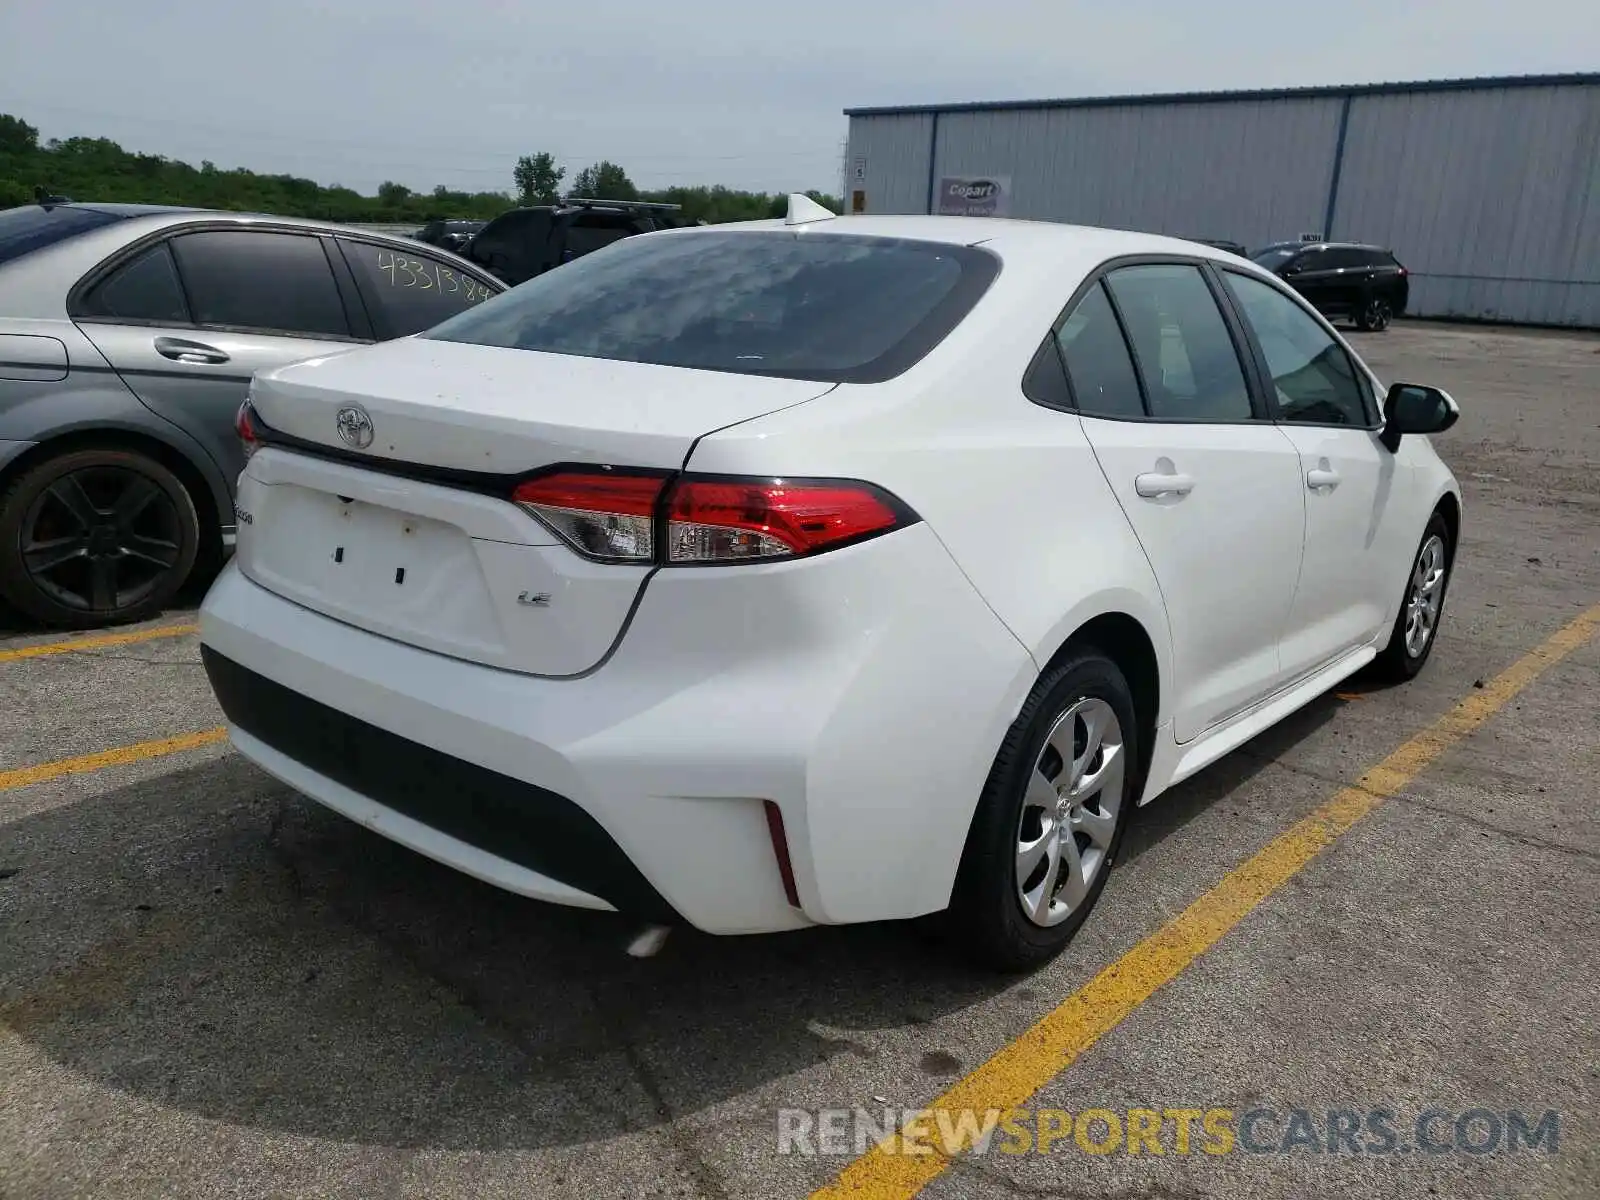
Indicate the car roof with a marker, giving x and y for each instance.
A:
(1324, 246)
(154, 216)
(124, 210)
(1009, 235)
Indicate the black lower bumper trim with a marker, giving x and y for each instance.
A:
(524, 824)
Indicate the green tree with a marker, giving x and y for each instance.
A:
(17, 136)
(91, 168)
(393, 195)
(604, 181)
(538, 179)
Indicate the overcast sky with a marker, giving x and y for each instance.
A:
(682, 91)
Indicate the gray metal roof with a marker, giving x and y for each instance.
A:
(1301, 93)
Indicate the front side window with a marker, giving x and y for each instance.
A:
(250, 279)
(1185, 355)
(407, 293)
(1311, 373)
(804, 305)
(1098, 366)
(145, 288)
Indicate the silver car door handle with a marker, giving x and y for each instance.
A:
(180, 350)
(1152, 485)
(1320, 477)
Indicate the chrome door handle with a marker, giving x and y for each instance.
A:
(181, 350)
(1321, 477)
(1153, 485)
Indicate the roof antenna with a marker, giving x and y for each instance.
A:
(803, 210)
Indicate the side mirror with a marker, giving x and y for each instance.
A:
(1416, 408)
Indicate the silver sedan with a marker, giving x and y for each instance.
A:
(128, 338)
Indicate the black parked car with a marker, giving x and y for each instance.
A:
(524, 242)
(448, 235)
(1365, 284)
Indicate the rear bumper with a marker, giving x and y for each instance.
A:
(864, 693)
(374, 776)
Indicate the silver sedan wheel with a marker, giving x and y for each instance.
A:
(1069, 812)
(1425, 596)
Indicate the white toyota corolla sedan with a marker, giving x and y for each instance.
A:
(822, 570)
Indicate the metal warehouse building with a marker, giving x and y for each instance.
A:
(1487, 189)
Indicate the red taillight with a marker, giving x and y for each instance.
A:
(244, 426)
(717, 521)
(614, 515)
(603, 514)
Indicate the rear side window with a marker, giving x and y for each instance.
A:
(513, 230)
(1275, 257)
(1184, 353)
(808, 305)
(407, 293)
(1103, 381)
(273, 282)
(146, 288)
(24, 230)
(583, 238)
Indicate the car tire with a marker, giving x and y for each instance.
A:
(1015, 907)
(1423, 603)
(1375, 315)
(96, 537)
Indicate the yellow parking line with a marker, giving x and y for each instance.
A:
(97, 643)
(121, 756)
(1025, 1065)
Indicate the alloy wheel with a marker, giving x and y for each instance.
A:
(101, 539)
(1425, 596)
(1069, 812)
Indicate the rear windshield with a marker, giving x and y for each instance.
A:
(804, 305)
(1274, 256)
(24, 230)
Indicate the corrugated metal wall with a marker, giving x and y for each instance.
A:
(1491, 198)
(1239, 170)
(1490, 195)
(896, 154)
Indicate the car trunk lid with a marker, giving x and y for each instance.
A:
(399, 520)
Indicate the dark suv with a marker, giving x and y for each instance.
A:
(1365, 284)
(524, 242)
(448, 234)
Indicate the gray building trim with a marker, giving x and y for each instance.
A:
(933, 158)
(1301, 93)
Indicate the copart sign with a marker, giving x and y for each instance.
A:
(975, 196)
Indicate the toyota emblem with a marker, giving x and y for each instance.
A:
(355, 427)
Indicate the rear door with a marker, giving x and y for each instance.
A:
(186, 321)
(1315, 276)
(406, 291)
(1328, 409)
(1211, 487)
